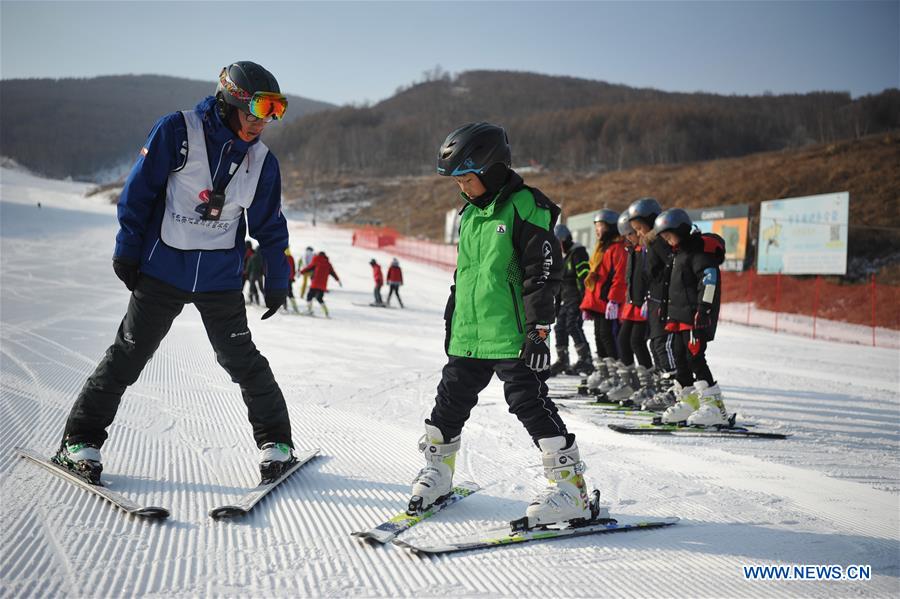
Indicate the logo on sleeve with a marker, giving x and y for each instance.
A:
(501, 229)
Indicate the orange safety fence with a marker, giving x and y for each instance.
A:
(866, 313)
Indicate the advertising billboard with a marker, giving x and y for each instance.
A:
(804, 236)
(732, 224)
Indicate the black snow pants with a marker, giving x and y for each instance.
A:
(151, 310)
(661, 341)
(633, 343)
(526, 394)
(690, 361)
(569, 324)
(605, 332)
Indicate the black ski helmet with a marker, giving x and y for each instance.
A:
(562, 232)
(610, 217)
(624, 224)
(645, 209)
(473, 148)
(237, 84)
(675, 220)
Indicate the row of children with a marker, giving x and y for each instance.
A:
(652, 277)
(312, 268)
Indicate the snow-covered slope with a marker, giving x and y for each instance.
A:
(358, 386)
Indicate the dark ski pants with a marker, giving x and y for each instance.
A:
(526, 394)
(256, 288)
(153, 307)
(394, 289)
(605, 337)
(661, 341)
(633, 343)
(378, 299)
(690, 364)
(569, 324)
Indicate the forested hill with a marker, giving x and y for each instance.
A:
(79, 127)
(570, 124)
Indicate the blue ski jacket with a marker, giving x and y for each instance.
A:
(142, 205)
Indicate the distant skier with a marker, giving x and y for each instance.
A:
(321, 268)
(497, 322)
(291, 275)
(248, 253)
(695, 294)
(255, 272)
(394, 281)
(307, 258)
(378, 277)
(180, 242)
(568, 322)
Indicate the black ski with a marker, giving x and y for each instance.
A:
(252, 497)
(692, 431)
(118, 500)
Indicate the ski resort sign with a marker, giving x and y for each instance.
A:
(804, 236)
(731, 223)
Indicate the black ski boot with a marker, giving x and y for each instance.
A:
(562, 362)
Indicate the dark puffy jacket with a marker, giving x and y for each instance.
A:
(636, 275)
(696, 264)
(576, 266)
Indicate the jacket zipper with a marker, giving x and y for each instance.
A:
(512, 293)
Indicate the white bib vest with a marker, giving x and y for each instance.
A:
(183, 227)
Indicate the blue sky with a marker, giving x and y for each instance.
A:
(352, 52)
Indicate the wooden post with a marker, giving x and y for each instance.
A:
(873, 309)
(750, 275)
(777, 298)
(816, 303)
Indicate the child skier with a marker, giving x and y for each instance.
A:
(568, 321)
(291, 275)
(637, 380)
(321, 268)
(694, 297)
(604, 293)
(379, 281)
(497, 320)
(394, 281)
(642, 214)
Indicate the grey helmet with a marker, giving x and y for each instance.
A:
(625, 224)
(646, 209)
(675, 220)
(610, 217)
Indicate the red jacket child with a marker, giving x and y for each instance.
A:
(321, 268)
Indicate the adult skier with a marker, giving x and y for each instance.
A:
(497, 322)
(200, 176)
(568, 321)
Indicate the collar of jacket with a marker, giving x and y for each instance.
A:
(513, 184)
(217, 132)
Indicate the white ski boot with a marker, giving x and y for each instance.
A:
(628, 385)
(712, 409)
(274, 460)
(435, 480)
(82, 459)
(687, 402)
(566, 496)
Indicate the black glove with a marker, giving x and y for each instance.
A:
(703, 317)
(274, 299)
(535, 352)
(127, 271)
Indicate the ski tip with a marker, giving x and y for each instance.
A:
(152, 513)
(226, 511)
